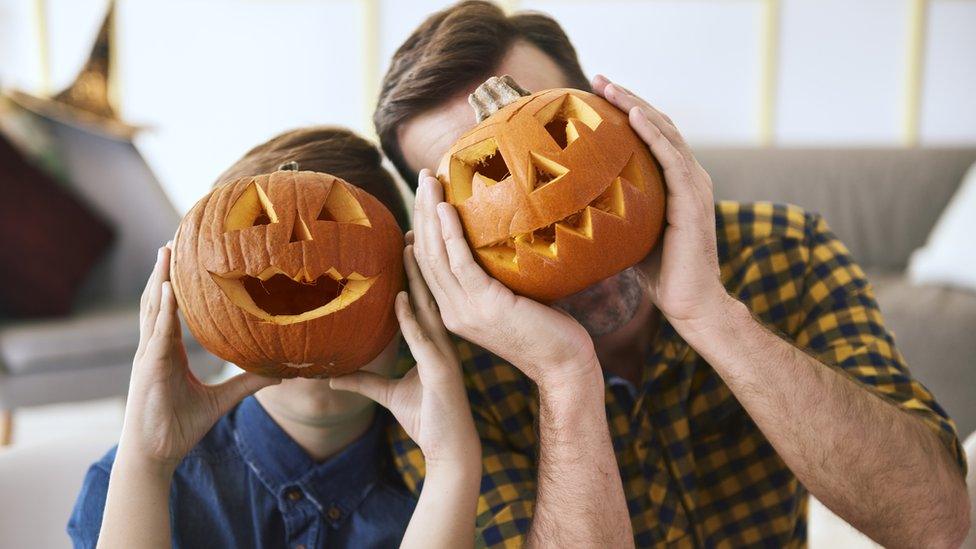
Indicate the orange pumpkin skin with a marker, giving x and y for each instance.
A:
(245, 259)
(555, 192)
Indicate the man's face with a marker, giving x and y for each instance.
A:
(424, 139)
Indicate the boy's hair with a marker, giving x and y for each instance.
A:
(328, 149)
(452, 50)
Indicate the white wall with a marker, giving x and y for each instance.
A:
(212, 78)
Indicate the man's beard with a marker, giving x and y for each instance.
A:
(607, 305)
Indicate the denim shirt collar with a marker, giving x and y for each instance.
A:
(342, 482)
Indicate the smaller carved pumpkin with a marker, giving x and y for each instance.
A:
(289, 274)
(555, 190)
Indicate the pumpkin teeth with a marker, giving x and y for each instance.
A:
(276, 301)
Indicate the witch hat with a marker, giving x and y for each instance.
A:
(87, 102)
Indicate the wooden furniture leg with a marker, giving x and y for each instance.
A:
(6, 427)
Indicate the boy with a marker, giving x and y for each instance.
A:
(299, 463)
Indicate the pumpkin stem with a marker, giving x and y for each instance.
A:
(288, 167)
(495, 93)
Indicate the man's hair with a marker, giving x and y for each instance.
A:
(328, 149)
(452, 50)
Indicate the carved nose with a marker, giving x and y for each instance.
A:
(299, 231)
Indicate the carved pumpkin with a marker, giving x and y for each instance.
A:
(289, 274)
(555, 191)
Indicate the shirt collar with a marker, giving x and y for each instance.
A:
(342, 482)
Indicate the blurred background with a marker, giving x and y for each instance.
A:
(211, 79)
(110, 129)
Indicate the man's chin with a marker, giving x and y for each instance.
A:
(607, 305)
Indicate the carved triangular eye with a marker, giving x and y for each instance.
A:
(342, 207)
(564, 118)
(482, 162)
(252, 208)
(544, 171)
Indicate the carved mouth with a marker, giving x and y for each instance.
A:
(277, 297)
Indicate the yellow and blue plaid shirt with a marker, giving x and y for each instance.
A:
(695, 468)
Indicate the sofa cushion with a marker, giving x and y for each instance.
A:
(89, 338)
(934, 328)
(949, 256)
(51, 240)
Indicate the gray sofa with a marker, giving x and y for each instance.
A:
(89, 354)
(882, 203)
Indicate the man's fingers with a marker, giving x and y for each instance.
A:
(408, 238)
(672, 161)
(626, 100)
(228, 393)
(372, 386)
(429, 245)
(599, 84)
(468, 273)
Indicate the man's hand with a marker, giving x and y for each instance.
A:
(898, 484)
(682, 274)
(548, 345)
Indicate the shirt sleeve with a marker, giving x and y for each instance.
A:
(843, 327)
(86, 518)
(508, 487)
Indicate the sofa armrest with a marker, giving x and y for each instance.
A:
(881, 203)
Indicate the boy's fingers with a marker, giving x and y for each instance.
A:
(370, 385)
(430, 359)
(427, 313)
(229, 393)
(149, 305)
(167, 322)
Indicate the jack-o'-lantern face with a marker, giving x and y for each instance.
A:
(289, 274)
(555, 192)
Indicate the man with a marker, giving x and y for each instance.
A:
(742, 364)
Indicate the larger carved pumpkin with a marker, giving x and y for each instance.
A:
(289, 274)
(555, 192)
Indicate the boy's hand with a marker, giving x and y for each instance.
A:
(168, 409)
(429, 401)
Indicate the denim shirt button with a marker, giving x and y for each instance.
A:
(294, 494)
(334, 513)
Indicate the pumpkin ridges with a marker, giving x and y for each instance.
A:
(350, 337)
(242, 330)
(589, 163)
(196, 323)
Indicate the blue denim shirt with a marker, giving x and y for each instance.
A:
(248, 484)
